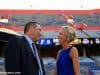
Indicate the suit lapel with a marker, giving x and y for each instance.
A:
(28, 48)
(26, 44)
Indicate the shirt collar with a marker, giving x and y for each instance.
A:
(28, 39)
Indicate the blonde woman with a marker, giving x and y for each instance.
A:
(67, 58)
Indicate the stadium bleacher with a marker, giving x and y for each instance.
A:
(53, 19)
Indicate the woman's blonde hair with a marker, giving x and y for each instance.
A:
(70, 33)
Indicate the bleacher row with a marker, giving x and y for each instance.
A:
(88, 66)
(53, 19)
(54, 34)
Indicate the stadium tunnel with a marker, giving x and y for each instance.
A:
(5, 35)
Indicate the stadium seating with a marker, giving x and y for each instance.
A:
(54, 19)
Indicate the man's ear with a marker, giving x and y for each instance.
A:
(30, 29)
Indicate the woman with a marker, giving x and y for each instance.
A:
(67, 58)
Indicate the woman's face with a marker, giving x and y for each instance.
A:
(62, 37)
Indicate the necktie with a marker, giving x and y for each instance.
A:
(36, 53)
(34, 49)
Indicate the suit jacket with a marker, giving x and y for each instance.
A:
(20, 59)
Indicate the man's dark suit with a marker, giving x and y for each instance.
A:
(19, 57)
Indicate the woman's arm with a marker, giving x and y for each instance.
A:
(75, 59)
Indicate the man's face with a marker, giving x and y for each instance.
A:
(36, 33)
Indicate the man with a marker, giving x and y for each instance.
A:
(21, 55)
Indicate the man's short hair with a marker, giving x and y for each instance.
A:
(27, 26)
